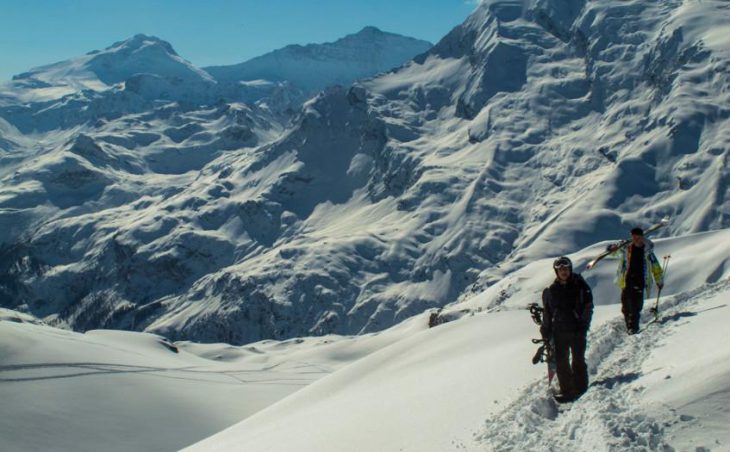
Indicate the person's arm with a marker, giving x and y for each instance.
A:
(656, 270)
(586, 304)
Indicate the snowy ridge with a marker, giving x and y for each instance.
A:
(118, 391)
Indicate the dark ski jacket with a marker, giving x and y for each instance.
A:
(567, 307)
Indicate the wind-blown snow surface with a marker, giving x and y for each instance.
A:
(467, 384)
(121, 391)
(532, 130)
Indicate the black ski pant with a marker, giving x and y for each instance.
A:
(572, 373)
(632, 302)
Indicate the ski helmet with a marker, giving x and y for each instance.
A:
(562, 262)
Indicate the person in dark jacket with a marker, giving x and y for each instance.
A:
(568, 309)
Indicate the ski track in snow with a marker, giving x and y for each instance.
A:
(609, 416)
(89, 369)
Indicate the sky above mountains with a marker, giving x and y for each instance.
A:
(216, 32)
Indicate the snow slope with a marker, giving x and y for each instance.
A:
(120, 391)
(469, 384)
(114, 390)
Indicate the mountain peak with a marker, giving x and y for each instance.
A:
(370, 30)
(372, 33)
(140, 41)
(99, 69)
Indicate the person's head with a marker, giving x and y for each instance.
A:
(563, 268)
(637, 237)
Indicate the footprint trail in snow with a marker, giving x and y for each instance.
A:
(610, 416)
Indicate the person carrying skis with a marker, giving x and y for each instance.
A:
(568, 309)
(636, 269)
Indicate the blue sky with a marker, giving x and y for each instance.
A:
(211, 32)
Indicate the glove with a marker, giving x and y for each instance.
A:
(660, 285)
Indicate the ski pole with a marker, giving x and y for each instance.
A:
(659, 292)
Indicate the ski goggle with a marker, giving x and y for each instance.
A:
(562, 263)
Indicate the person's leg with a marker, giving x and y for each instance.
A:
(579, 367)
(562, 362)
(626, 307)
(636, 304)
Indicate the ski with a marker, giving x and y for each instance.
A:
(623, 243)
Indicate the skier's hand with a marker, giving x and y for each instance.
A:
(612, 247)
(660, 285)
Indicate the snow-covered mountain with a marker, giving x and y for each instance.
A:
(137, 74)
(315, 66)
(140, 54)
(144, 65)
(524, 133)
(130, 77)
(531, 130)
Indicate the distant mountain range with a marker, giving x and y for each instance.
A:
(173, 202)
(316, 66)
(150, 67)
